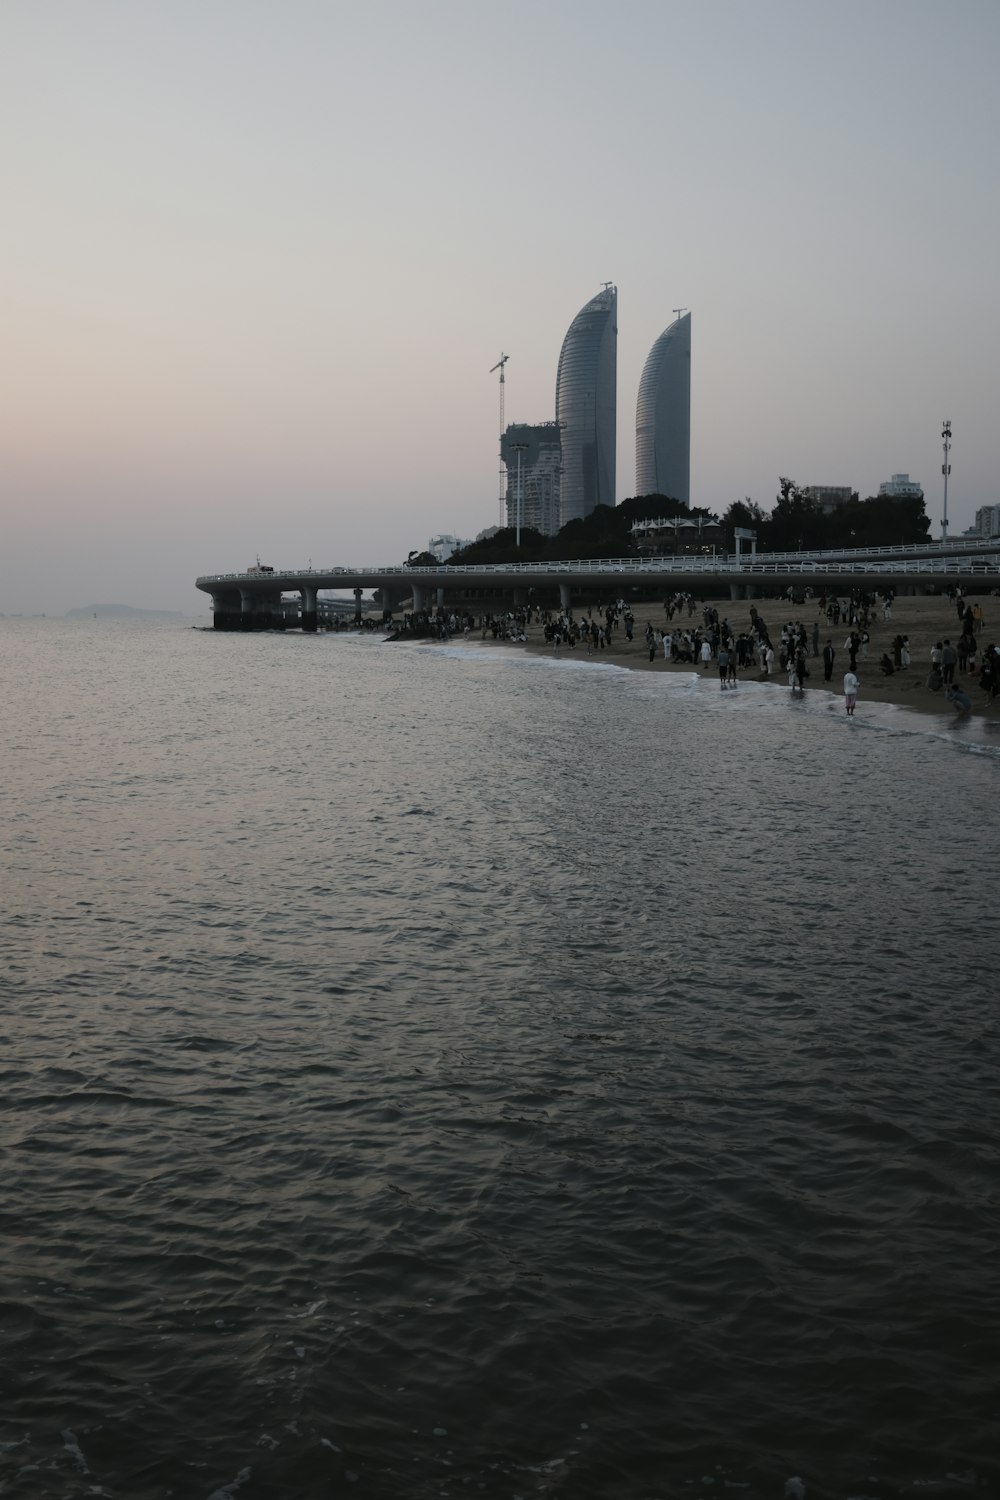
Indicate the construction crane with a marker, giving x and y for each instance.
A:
(499, 366)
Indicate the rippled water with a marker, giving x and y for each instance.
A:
(437, 1072)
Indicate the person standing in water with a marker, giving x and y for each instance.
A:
(851, 685)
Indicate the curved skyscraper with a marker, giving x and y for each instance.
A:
(586, 407)
(663, 416)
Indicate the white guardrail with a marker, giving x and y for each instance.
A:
(634, 567)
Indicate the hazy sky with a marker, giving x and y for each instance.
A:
(258, 257)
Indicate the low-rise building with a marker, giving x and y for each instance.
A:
(675, 535)
(902, 485)
(444, 545)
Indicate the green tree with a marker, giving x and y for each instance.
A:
(747, 515)
(502, 547)
(796, 522)
(602, 532)
(653, 508)
(879, 521)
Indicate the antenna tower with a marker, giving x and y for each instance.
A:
(499, 366)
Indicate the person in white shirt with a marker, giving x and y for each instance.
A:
(851, 685)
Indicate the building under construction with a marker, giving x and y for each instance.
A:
(531, 457)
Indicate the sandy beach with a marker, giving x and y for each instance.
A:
(925, 619)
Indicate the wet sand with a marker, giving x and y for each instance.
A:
(925, 619)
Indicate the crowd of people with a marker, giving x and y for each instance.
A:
(713, 643)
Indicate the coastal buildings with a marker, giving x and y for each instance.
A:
(987, 523)
(677, 535)
(540, 454)
(902, 485)
(443, 545)
(586, 385)
(663, 416)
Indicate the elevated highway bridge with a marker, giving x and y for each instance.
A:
(253, 599)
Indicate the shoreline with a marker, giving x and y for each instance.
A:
(924, 619)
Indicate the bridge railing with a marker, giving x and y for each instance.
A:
(333, 578)
(901, 549)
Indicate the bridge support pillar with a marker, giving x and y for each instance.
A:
(439, 594)
(260, 609)
(248, 610)
(737, 591)
(564, 597)
(357, 605)
(225, 612)
(520, 598)
(751, 591)
(309, 592)
(419, 599)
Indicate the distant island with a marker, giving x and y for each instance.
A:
(122, 611)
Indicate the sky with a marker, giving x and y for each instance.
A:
(257, 258)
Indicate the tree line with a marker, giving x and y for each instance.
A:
(795, 522)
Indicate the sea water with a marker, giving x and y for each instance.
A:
(441, 1071)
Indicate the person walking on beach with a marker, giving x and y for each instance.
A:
(829, 656)
(851, 647)
(949, 659)
(851, 685)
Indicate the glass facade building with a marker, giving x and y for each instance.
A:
(663, 416)
(586, 384)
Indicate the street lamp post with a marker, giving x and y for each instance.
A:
(519, 448)
(945, 470)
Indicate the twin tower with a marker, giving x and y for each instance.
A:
(559, 471)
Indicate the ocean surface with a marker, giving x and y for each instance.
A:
(434, 1071)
